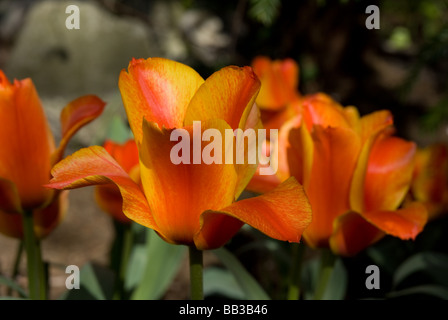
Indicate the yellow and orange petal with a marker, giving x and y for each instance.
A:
(320, 109)
(405, 223)
(282, 213)
(389, 173)
(335, 152)
(108, 196)
(159, 90)
(227, 94)
(74, 116)
(95, 166)
(430, 179)
(179, 193)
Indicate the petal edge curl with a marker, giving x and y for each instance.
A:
(95, 166)
(282, 213)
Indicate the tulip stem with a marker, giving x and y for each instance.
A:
(327, 261)
(120, 258)
(298, 251)
(35, 267)
(196, 273)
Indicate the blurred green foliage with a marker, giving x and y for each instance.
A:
(264, 11)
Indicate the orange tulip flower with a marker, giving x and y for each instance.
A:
(430, 179)
(355, 173)
(108, 196)
(28, 152)
(279, 98)
(192, 204)
(279, 79)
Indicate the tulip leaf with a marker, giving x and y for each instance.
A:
(136, 267)
(11, 298)
(432, 264)
(117, 130)
(337, 285)
(433, 290)
(310, 277)
(162, 264)
(250, 287)
(13, 285)
(220, 282)
(96, 283)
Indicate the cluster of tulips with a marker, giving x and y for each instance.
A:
(344, 180)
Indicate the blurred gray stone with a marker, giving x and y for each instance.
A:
(205, 34)
(71, 62)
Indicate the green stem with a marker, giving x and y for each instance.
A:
(35, 266)
(196, 274)
(327, 261)
(298, 251)
(122, 247)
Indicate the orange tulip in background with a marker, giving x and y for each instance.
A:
(354, 171)
(28, 152)
(356, 174)
(280, 80)
(191, 204)
(108, 196)
(279, 98)
(430, 179)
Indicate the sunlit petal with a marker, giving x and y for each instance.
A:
(321, 109)
(405, 223)
(74, 116)
(159, 90)
(283, 214)
(227, 94)
(179, 193)
(95, 166)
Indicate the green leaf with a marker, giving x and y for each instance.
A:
(337, 285)
(96, 283)
(117, 130)
(13, 285)
(136, 267)
(433, 264)
(250, 287)
(12, 298)
(264, 11)
(221, 282)
(426, 290)
(310, 277)
(163, 261)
